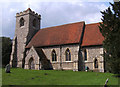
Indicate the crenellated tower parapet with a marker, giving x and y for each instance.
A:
(28, 11)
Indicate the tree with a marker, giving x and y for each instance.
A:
(110, 29)
(6, 50)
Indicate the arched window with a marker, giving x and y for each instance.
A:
(95, 63)
(31, 63)
(54, 58)
(22, 22)
(34, 22)
(68, 55)
(85, 55)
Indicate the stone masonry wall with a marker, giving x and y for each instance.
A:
(60, 51)
(92, 53)
(32, 54)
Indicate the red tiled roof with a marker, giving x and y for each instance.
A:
(58, 35)
(92, 35)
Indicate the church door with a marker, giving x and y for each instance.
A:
(31, 64)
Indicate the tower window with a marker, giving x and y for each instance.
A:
(68, 55)
(34, 22)
(22, 22)
(54, 58)
(85, 55)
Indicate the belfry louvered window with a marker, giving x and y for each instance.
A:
(34, 22)
(22, 22)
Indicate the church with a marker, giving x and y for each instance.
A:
(73, 46)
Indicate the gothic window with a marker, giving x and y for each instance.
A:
(54, 58)
(85, 55)
(34, 22)
(31, 64)
(95, 63)
(68, 55)
(22, 22)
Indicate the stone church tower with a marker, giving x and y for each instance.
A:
(27, 24)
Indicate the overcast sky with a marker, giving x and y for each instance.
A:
(52, 12)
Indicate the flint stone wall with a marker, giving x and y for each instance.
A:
(60, 51)
(92, 53)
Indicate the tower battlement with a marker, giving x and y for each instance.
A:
(28, 11)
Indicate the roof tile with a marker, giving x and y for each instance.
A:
(67, 34)
(58, 35)
(92, 35)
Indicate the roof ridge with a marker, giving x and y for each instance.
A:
(93, 23)
(63, 25)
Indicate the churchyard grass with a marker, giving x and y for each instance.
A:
(0, 76)
(20, 76)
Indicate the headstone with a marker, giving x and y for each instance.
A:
(106, 82)
(86, 68)
(7, 68)
(45, 74)
(74, 70)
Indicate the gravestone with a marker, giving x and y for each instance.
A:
(86, 68)
(106, 82)
(7, 68)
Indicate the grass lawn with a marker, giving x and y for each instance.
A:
(0, 77)
(53, 77)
